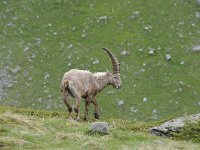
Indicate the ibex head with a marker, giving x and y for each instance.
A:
(115, 76)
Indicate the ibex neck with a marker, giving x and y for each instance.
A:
(102, 79)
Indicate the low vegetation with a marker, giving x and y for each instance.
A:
(191, 132)
(31, 129)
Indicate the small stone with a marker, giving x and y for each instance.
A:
(182, 62)
(168, 57)
(120, 102)
(135, 14)
(199, 103)
(148, 27)
(151, 51)
(16, 69)
(133, 109)
(196, 48)
(40, 100)
(102, 17)
(70, 46)
(84, 35)
(141, 49)
(198, 15)
(145, 100)
(10, 24)
(69, 64)
(155, 111)
(124, 53)
(102, 127)
(96, 61)
(74, 29)
(46, 76)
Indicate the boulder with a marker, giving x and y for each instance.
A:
(175, 125)
(102, 127)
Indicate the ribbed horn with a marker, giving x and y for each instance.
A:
(115, 63)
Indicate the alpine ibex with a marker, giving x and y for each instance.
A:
(84, 84)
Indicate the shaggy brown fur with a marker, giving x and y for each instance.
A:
(84, 84)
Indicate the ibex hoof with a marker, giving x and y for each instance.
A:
(96, 115)
(77, 119)
(86, 119)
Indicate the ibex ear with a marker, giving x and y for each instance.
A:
(109, 74)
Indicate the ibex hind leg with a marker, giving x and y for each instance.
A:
(77, 108)
(75, 94)
(87, 105)
(67, 103)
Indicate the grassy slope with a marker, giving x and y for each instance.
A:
(31, 129)
(37, 36)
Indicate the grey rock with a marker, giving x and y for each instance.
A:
(145, 99)
(120, 102)
(84, 35)
(182, 62)
(135, 14)
(133, 109)
(175, 125)
(198, 1)
(198, 15)
(125, 53)
(16, 69)
(102, 127)
(196, 48)
(151, 51)
(148, 27)
(96, 61)
(168, 57)
(70, 46)
(47, 76)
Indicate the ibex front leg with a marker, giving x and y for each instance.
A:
(96, 109)
(87, 105)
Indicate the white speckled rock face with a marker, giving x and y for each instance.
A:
(6, 81)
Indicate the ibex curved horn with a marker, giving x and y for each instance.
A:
(115, 63)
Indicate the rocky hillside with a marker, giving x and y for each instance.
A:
(157, 43)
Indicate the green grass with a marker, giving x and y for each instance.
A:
(36, 35)
(190, 132)
(20, 129)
